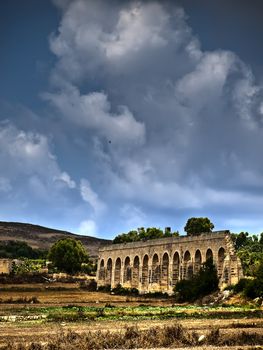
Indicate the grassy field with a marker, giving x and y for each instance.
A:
(63, 316)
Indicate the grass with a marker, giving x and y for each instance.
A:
(76, 313)
(173, 335)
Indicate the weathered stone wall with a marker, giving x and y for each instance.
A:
(157, 265)
(5, 266)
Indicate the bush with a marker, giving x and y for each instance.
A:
(240, 286)
(90, 285)
(105, 289)
(119, 290)
(201, 284)
(251, 288)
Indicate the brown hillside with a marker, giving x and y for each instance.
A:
(43, 237)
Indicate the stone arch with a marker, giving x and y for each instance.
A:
(102, 270)
(209, 254)
(155, 269)
(165, 271)
(145, 271)
(117, 271)
(220, 261)
(176, 268)
(187, 266)
(109, 271)
(136, 272)
(197, 261)
(127, 270)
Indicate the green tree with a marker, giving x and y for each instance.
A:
(250, 251)
(142, 234)
(196, 226)
(67, 255)
(201, 284)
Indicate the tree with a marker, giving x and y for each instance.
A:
(196, 226)
(250, 251)
(201, 284)
(67, 255)
(142, 234)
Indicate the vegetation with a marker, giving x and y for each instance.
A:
(68, 255)
(249, 250)
(252, 287)
(201, 284)
(119, 290)
(18, 249)
(142, 234)
(28, 266)
(169, 336)
(196, 226)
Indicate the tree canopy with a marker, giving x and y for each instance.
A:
(196, 226)
(67, 255)
(250, 251)
(20, 249)
(142, 234)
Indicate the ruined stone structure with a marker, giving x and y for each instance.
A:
(157, 265)
(5, 266)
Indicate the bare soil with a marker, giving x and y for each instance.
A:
(64, 294)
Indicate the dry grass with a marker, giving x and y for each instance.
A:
(171, 336)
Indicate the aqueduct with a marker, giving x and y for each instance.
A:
(157, 265)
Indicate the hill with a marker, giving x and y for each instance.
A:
(43, 237)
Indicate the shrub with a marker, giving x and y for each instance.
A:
(201, 284)
(119, 290)
(90, 285)
(105, 289)
(251, 288)
(240, 286)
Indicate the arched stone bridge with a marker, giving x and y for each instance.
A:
(157, 265)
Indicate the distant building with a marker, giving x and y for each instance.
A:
(5, 266)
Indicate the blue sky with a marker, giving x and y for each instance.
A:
(121, 114)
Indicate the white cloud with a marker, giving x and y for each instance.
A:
(93, 111)
(88, 228)
(91, 197)
(27, 157)
(65, 179)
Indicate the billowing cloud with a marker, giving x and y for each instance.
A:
(93, 112)
(185, 124)
(140, 126)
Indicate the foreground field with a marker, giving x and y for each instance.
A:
(62, 316)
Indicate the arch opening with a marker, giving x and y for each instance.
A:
(187, 266)
(165, 271)
(197, 261)
(176, 268)
(117, 272)
(109, 271)
(127, 270)
(102, 270)
(209, 255)
(135, 272)
(155, 269)
(145, 271)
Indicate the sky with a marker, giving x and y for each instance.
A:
(120, 114)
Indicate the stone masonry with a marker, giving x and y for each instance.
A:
(157, 265)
